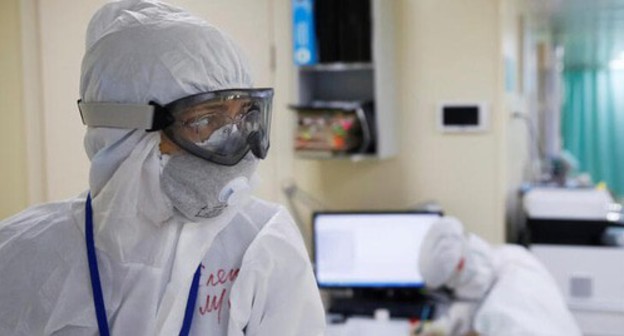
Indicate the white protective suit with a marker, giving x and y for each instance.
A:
(256, 278)
(501, 291)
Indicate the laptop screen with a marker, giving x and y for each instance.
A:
(369, 249)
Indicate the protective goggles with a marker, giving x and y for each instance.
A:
(219, 126)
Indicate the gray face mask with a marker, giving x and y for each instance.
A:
(200, 189)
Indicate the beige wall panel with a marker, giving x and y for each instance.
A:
(62, 30)
(13, 166)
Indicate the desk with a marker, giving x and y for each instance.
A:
(381, 323)
(362, 326)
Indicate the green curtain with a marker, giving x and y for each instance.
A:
(593, 124)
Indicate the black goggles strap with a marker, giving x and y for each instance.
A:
(162, 118)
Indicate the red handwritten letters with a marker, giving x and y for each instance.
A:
(218, 283)
(222, 277)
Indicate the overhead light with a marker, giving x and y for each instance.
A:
(617, 64)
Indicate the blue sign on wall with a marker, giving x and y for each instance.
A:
(303, 32)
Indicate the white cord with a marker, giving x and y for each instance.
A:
(534, 166)
(294, 193)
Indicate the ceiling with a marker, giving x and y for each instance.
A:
(591, 31)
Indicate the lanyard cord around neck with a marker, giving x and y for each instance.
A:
(96, 286)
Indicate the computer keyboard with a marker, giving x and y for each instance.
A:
(367, 307)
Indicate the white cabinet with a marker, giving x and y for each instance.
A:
(592, 282)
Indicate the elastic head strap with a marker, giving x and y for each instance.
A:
(152, 117)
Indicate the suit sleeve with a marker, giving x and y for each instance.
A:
(277, 293)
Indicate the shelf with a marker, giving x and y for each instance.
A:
(322, 155)
(333, 83)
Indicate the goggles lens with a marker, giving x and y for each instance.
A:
(222, 126)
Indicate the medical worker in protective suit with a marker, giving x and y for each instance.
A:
(501, 291)
(167, 241)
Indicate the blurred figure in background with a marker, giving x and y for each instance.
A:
(500, 291)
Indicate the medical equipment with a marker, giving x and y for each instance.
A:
(592, 281)
(572, 216)
(570, 228)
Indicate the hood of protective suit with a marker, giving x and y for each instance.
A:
(137, 52)
(441, 251)
(142, 51)
(479, 271)
(463, 262)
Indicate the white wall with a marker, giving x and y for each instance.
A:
(61, 49)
